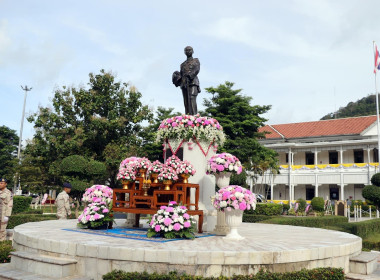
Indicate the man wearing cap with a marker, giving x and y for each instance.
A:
(6, 199)
(63, 202)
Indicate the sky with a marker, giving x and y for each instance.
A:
(304, 58)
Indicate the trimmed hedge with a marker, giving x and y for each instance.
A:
(318, 222)
(20, 219)
(268, 209)
(5, 250)
(21, 204)
(305, 274)
(33, 211)
(250, 218)
(362, 229)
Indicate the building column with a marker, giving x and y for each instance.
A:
(271, 186)
(315, 158)
(341, 155)
(342, 192)
(316, 190)
(369, 161)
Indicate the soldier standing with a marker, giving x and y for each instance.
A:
(6, 209)
(63, 202)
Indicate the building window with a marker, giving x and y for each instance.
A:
(286, 157)
(333, 157)
(375, 155)
(309, 158)
(358, 156)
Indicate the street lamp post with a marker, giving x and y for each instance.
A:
(26, 89)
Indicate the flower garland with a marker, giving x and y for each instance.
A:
(188, 127)
(172, 221)
(94, 215)
(224, 162)
(234, 197)
(98, 194)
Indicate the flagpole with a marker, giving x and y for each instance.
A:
(377, 108)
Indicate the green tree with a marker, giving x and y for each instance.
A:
(149, 147)
(240, 121)
(8, 152)
(372, 192)
(85, 121)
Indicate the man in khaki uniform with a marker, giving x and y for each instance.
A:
(6, 200)
(63, 202)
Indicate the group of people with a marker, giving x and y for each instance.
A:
(6, 204)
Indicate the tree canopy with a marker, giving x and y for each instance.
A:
(8, 152)
(240, 121)
(87, 121)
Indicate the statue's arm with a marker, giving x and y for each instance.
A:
(197, 66)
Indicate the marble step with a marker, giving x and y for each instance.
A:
(364, 263)
(7, 272)
(54, 267)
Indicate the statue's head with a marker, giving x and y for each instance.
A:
(189, 51)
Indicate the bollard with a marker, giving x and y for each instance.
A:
(377, 213)
(360, 212)
(370, 212)
(355, 213)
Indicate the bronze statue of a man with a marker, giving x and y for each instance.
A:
(188, 81)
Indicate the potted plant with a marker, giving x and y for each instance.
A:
(172, 221)
(233, 200)
(143, 165)
(98, 193)
(127, 175)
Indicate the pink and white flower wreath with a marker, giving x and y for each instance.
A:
(224, 162)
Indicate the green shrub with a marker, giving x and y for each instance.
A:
(5, 250)
(325, 273)
(21, 204)
(318, 204)
(318, 222)
(375, 180)
(96, 169)
(269, 209)
(301, 205)
(33, 211)
(20, 219)
(250, 218)
(74, 165)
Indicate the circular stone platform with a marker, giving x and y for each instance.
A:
(276, 248)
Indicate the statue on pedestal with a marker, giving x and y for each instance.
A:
(188, 81)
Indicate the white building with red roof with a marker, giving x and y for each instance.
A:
(333, 159)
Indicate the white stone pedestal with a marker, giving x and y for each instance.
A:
(193, 153)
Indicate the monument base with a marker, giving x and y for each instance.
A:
(275, 248)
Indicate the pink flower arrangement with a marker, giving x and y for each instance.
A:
(172, 221)
(234, 197)
(156, 167)
(167, 173)
(188, 127)
(143, 163)
(224, 162)
(94, 215)
(98, 194)
(173, 162)
(185, 167)
(127, 173)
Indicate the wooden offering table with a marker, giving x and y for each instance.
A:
(133, 200)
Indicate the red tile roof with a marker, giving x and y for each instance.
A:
(347, 126)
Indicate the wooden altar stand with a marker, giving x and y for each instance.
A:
(134, 201)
